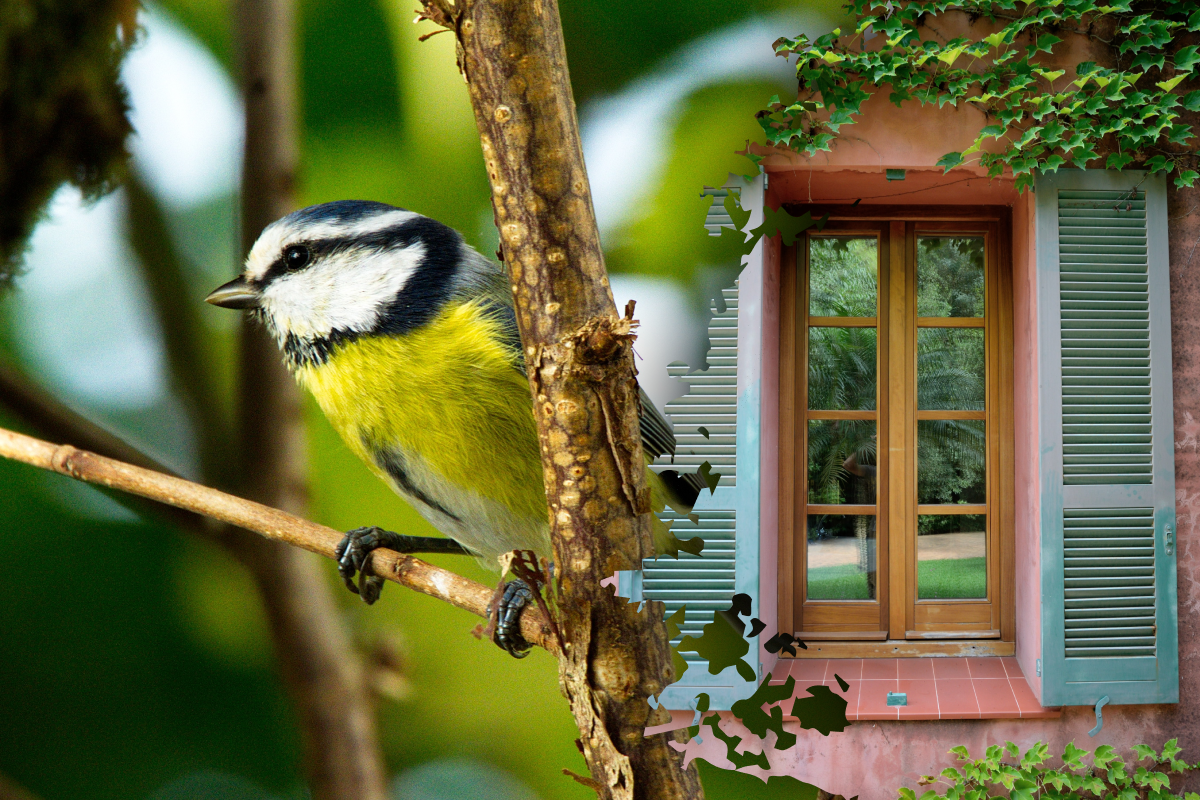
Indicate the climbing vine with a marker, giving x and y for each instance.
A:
(1127, 110)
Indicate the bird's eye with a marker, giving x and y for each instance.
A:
(297, 257)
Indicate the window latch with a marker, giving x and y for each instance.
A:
(1099, 717)
(1169, 538)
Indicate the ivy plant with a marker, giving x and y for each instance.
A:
(1025, 776)
(1128, 109)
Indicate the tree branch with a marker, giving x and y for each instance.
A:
(578, 354)
(323, 673)
(268, 522)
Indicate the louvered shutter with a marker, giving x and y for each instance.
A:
(1109, 615)
(724, 400)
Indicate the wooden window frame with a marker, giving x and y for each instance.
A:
(901, 632)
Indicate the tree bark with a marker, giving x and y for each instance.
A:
(581, 373)
(324, 676)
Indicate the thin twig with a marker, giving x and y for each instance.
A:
(269, 522)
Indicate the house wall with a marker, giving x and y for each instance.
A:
(873, 759)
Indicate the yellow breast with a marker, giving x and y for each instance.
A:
(449, 392)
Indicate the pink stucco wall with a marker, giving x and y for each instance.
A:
(1027, 512)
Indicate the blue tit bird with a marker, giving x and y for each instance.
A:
(407, 339)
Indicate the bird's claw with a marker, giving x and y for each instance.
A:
(507, 635)
(353, 553)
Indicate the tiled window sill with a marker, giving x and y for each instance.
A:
(937, 688)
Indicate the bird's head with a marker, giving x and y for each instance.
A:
(337, 271)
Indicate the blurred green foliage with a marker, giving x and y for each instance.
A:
(135, 659)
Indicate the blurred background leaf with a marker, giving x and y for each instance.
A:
(149, 674)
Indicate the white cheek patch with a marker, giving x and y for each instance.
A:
(284, 232)
(344, 292)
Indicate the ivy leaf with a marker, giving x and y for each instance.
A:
(950, 161)
(722, 643)
(733, 208)
(1167, 86)
(1159, 164)
(1187, 57)
(1191, 101)
(1193, 23)
(1045, 43)
(1054, 162)
(1146, 60)
(1118, 161)
(673, 623)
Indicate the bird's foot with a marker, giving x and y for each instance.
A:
(507, 634)
(354, 551)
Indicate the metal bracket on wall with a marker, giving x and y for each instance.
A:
(1099, 717)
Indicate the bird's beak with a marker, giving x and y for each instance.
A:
(238, 293)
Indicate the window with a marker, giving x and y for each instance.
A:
(895, 426)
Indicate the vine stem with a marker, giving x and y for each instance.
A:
(268, 522)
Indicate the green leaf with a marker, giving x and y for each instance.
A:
(1144, 751)
(1148, 59)
(1053, 163)
(1187, 57)
(907, 794)
(961, 752)
(1191, 101)
(1118, 161)
(1046, 42)
(1167, 86)
(950, 161)
(1104, 756)
(995, 131)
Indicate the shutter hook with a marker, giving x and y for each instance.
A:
(1099, 716)
(1169, 538)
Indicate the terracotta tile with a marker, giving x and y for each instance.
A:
(878, 669)
(922, 700)
(950, 669)
(849, 668)
(956, 699)
(915, 668)
(996, 700)
(872, 699)
(1012, 667)
(986, 668)
(850, 694)
(1028, 702)
(809, 669)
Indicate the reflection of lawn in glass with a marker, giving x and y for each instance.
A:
(840, 582)
(952, 579)
(941, 579)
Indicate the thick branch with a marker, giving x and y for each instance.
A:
(268, 522)
(580, 366)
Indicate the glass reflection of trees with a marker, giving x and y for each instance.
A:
(950, 373)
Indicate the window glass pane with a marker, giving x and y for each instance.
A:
(951, 556)
(842, 276)
(949, 276)
(841, 368)
(841, 557)
(950, 369)
(950, 461)
(841, 462)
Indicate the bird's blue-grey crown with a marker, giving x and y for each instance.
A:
(331, 273)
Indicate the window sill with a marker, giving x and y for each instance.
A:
(937, 688)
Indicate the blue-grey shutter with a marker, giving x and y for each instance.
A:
(1107, 469)
(724, 399)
